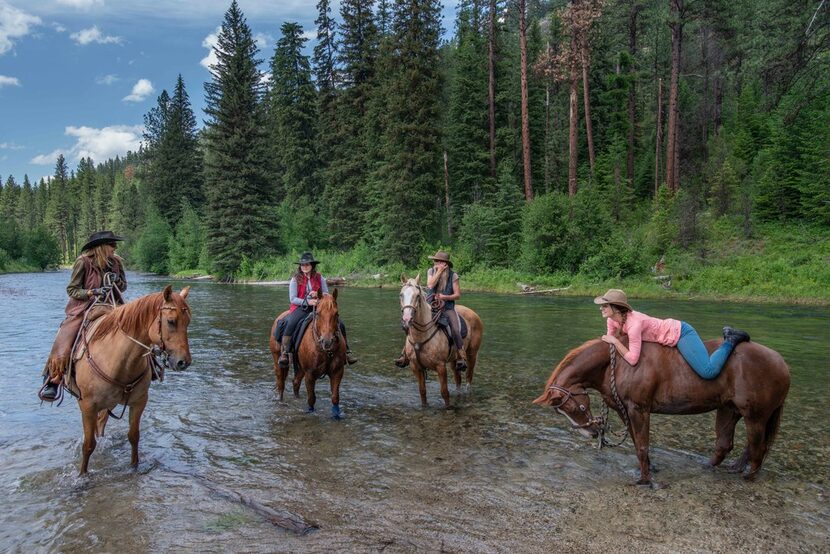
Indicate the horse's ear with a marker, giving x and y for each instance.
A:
(168, 290)
(418, 279)
(184, 292)
(334, 294)
(403, 278)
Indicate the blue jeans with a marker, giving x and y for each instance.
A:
(694, 352)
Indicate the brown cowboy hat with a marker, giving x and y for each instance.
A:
(615, 297)
(101, 237)
(441, 256)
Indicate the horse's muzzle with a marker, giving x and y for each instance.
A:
(180, 364)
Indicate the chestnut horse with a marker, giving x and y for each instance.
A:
(753, 385)
(322, 351)
(113, 360)
(427, 347)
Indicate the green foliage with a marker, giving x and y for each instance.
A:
(187, 242)
(41, 249)
(151, 251)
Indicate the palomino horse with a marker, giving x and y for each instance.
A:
(753, 385)
(429, 348)
(115, 364)
(322, 351)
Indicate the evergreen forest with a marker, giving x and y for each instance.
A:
(592, 141)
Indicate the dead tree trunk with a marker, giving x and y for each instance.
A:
(447, 195)
(672, 138)
(632, 91)
(491, 87)
(586, 98)
(658, 137)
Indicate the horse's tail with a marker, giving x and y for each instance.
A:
(773, 424)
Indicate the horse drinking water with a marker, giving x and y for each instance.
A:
(114, 357)
(427, 347)
(753, 385)
(321, 352)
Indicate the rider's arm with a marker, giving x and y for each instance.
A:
(292, 293)
(324, 288)
(433, 277)
(75, 288)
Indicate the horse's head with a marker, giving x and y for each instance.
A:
(412, 300)
(566, 389)
(169, 330)
(327, 321)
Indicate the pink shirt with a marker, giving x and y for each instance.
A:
(640, 327)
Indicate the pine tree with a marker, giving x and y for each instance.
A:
(411, 167)
(86, 186)
(292, 118)
(240, 195)
(25, 214)
(57, 210)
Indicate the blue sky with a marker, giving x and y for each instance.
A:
(77, 76)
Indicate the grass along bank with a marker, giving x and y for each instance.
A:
(780, 264)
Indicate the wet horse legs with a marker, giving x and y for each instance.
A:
(134, 433)
(640, 421)
(89, 417)
(725, 422)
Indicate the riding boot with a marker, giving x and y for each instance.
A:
(285, 351)
(402, 360)
(461, 360)
(350, 359)
(734, 336)
(49, 391)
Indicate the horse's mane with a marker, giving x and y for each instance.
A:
(569, 357)
(132, 317)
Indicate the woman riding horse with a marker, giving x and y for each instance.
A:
(623, 319)
(87, 284)
(442, 285)
(307, 286)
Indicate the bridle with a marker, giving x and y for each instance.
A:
(570, 396)
(318, 338)
(432, 324)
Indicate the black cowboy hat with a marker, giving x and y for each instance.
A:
(101, 237)
(307, 258)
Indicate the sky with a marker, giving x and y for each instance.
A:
(77, 76)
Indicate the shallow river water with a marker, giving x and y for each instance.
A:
(493, 474)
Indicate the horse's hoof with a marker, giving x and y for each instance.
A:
(335, 413)
(750, 477)
(310, 410)
(643, 483)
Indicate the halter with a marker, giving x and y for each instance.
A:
(431, 324)
(571, 396)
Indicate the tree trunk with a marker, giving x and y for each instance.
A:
(658, 136)
(547, 137)
(491, 88)
(447, 195)
(586, 99)
(573, 131)
(704, 54)
(672, 138)
(525, 116)
(632, 91)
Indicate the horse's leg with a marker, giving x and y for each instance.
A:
(739, 465)
(421, 376)
(310, 381)
(278, 371)
(472, 355)
(334, 381)
(442, 379)
(89, 417)
(103, 417)
(640, 422)
(298, 379)
(725, 421)
(756, 444)
(134, 432)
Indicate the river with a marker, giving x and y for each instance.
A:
(493, 474)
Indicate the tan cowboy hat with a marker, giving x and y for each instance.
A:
(616, 297)
(441, 256)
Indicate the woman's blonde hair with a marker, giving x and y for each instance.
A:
(99, 257)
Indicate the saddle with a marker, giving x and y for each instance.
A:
(444, 324)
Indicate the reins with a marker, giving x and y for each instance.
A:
(318, 339)
(603, 430)
(436, 306)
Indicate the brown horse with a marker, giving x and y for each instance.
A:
(427, 347)
(322, 351)
(753, 385)
(113, 361)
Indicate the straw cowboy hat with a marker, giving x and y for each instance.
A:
(441, 256)
(101, 237)
(307, 258)
(615, 297)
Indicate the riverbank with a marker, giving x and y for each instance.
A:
(780, 265)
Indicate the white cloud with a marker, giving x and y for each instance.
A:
(107, 79)
(10, 146)
(59, 28)
(81, 4)
(8, 81)
(141, 90)
(93, 34)
(263, 41)
(14, 23)
(210, 42)
(98, 144)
